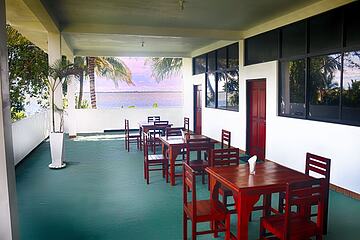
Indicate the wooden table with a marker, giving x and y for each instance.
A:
(247, 189)
(146, 126)
(175, 145)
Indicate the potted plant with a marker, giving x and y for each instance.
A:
(59, 74)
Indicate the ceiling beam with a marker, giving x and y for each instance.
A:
(121, 53)
(152, 31)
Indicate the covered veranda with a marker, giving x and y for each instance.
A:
(102, 194)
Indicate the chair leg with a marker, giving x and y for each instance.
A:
(203, 177)
(193, 230)
(227, 227)
(215, 226)
(184, 226)
(147, 174)
(262, 230)
(144, 170)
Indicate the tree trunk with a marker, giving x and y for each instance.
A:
(81, 80)
(91, 65)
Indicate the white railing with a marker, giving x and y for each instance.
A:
(28, 133)
(99, 120)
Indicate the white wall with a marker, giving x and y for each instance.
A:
(287, 139)
(28, 133)
(98, 120)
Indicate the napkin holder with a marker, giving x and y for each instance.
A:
(252, 164)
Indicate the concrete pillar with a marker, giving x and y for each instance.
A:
(8, 204)
(54, 54)
(71, 90)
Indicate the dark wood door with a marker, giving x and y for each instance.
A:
(197, 108)
(256, 90)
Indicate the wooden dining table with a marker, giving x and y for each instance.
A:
(145, 126)
(269, 178)
(174, 145)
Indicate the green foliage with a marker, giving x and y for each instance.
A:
(83, 105)
(163, 68)
(155, 105)
(132, 107)
(28, 71)
(17, 115)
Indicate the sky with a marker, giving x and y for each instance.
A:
(141, 76)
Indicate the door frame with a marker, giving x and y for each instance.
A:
(248, 82)
(195, 90)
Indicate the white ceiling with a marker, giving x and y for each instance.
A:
(118, 27)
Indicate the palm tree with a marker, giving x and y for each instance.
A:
(80, 63)
(163, 68)
(110, 67)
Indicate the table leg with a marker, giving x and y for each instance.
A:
(172, 166)
(244, 204)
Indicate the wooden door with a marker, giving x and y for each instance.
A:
(197, 108)
(256, 91)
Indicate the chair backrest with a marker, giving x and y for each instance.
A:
(319, 165)
(197, 145)
(189, 185)
(161, 123)
(153, 118)
(225, 138)
(304, 194)
(149, 144)
(224, 157)
(127, 129)
(186, 124)
(173, 131)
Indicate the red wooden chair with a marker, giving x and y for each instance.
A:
(199, 145)
(131, 137)
(225, 139)
(225, 157)
(152, 160)
(173, 132)
(186, 124)
(153, 118)
(320, 166)
(202, 210)
(297, 225)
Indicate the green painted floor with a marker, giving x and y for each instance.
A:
(101, 194)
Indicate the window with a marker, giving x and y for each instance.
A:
(351, 88)
(324, 87)
(222, 77)
(262, 48)
(199, 64)
(293, 38)
(352, 23)
(325, 31)
(210, 90)
(292, 88)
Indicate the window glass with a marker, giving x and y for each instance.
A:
(325, 31)
(232, 87)
(210, 89)
(221, 89)
(199, 64)
(292, 92)
(324, 87)
(211, 61)
(293, 39)
(352, 23)
(351, 87)
(221, 58)
(233, 56)
(262, 48)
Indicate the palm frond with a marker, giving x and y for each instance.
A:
(113, 68)
(163, 68)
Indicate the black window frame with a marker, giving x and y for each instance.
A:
(216, 72)
(307, 56)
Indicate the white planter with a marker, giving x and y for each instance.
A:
(57, 150)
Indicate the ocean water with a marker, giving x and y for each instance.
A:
(136, 99)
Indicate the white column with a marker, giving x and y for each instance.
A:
(8, 205)
(54, 54)
(71, 89)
